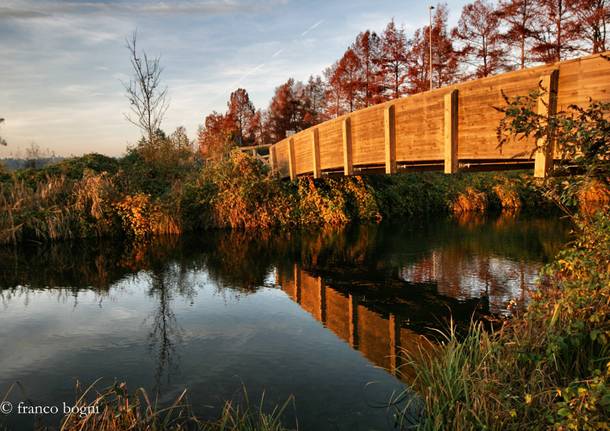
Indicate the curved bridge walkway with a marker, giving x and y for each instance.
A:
(450, 128)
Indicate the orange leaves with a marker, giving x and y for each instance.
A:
(142, 218)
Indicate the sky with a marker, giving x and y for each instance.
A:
(62, 63)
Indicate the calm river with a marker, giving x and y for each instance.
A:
(322, 316)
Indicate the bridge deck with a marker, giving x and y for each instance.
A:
(443, 128)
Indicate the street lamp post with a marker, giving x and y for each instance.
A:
(430, 37)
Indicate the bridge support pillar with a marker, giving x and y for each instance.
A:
(451, 132)
(389, 126)
(547, 107)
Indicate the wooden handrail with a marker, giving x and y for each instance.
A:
(442, 126)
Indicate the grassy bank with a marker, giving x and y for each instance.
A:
(548, 368)
(144, 194)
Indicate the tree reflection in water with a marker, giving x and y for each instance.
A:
(376, 286)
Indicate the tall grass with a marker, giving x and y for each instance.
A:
(546, 369)
(116, 409)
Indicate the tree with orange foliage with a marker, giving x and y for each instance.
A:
(332, 94)
(445, 59)
(344, 85)
(351, 84)
(367, 48)
(557, 34)
(419, 62)
(393, 60)
(314, 101)
(289, 110)
(478, 33)
(241, 115)
(520, 18)
(592, 21)
(214, 136)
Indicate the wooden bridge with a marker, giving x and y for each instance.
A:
(449, 128)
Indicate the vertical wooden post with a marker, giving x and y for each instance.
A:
(296, 273)
(315, 153)
(547, 107)
(273, 158)
(451, 132)
(394, 329)
(291, 159)
(348, 168)
(389, 126)
(353, 320)
(322, 295)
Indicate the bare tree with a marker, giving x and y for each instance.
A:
(2, 141)
(147, 98)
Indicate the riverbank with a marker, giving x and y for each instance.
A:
(547, 368)
(139, 196)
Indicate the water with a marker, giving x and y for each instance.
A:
(318, 315)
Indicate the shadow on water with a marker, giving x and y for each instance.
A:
(379, 288)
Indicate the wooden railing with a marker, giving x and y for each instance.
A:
(448, 128)
(258, 151)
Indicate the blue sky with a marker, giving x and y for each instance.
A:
(62, 62)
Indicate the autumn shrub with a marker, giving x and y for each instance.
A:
(593, 196)
(240, 192)
(142, 217)
(321, 203)
(361, 199)
(93, 196)
(509, 197)
(470, 200)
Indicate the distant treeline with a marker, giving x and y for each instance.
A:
(13, 164)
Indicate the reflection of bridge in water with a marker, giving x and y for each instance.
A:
(379, 336)
(388, 324)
